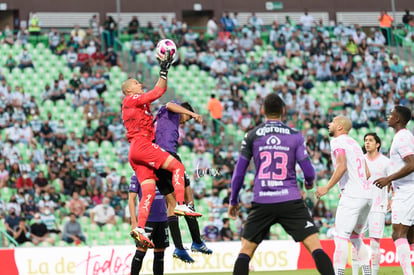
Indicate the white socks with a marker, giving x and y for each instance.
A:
(375, 255)
(355, 262)
(404, 255)
(363, 253)
(340, 255)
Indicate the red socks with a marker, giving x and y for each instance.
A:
(148, 195)
(178, 170)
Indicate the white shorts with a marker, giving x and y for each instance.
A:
(352, 215)
(403, 208)
(376, 221)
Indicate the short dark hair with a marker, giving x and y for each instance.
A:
(404, 113)
(273, 105)
(187, 106)
(376, 137)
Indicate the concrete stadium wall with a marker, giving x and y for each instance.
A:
(218, 6)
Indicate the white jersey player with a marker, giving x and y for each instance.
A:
(378, 166)
(402, 178)
(355, 203)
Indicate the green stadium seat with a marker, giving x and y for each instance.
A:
(380, 131)
(6, 193)
(93, 146)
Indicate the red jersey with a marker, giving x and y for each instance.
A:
(137, 116)
(22, 183)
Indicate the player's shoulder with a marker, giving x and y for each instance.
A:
(162, 110)
(337, 141)
(274, 128)
(385, 159)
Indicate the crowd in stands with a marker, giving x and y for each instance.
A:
(61, 186)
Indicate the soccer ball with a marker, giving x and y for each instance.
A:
(163, 46)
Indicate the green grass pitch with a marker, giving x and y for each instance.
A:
(383, 271)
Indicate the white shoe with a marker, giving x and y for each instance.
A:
(184, 210)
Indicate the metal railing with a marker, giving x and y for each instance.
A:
(11, 240)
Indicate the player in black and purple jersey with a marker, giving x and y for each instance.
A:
(167, 123)
(275, 148)
(156, 227)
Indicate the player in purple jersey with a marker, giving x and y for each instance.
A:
(275, 148)
(168, 120)
(156, 228)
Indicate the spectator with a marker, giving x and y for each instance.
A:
(38, 231)
(4, 175)
(319, 212)
(96, 197)
(102, 133)
(210, 232)
(215, 203)
(110, 26)
(246, 199)
(46, 201)
(76, 205)
(41, 183)
(21, 232)
(72, 231)
(103, 214)
(11, 63)
(23, 36)
(385, 22)
(133, 25)
(25, 182)
(14, 174)
(255, 21)
(111, 58)
(226, 234)
(212, 28)
(407, 17)
(94, 25)
(306, 20)
(11, 221)
(29, 208)
(48, 218)
(78, 34)
(245, 122)
(115, 179)
(99, 165)
(198, 187)
(227, 23)
(215, 108)
(246, 43)
(46, 133)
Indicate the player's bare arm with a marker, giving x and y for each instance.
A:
(181, 110)
(406, 170)
(132, 197)
(336, 176)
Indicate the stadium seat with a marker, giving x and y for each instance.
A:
(6, 193)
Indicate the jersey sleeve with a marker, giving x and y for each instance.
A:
(301, 152)
(146, 98)
(337, 148)
(247, 145)
(162, 111)
(405, 145)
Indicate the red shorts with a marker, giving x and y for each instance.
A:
(146, 157)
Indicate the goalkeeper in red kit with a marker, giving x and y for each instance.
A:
(144, 156)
